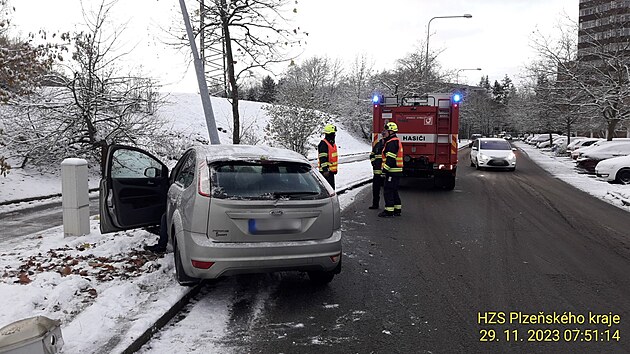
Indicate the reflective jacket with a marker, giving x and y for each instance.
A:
(327, 156)
(392, 156)
(376, 157)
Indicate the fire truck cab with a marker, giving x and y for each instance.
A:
(427, 128)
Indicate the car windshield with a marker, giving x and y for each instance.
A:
(265, 180)
(495, 145)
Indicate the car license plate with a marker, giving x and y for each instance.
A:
(264, 226)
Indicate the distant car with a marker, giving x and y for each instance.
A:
(492, 153)
(616, 169)
(541, 137)
(588, 159)
(230, 209)
(507, 137)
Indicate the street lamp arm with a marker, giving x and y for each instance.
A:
(429, 33)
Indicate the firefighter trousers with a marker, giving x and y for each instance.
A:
(330, 177)
(377, 184)
(392, 199)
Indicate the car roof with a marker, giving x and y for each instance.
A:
(240, 152)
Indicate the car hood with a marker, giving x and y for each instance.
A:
(496, 153)
(614, 162)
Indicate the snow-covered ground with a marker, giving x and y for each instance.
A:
(564, 168)
(107, 291)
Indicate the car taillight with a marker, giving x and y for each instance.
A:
(203, 188)
(335, 258)
(201, 264)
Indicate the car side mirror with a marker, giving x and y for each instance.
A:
(151, 172)
(513, 149)
(475, 148)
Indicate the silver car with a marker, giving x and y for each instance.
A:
(492, 153)
(230, 209)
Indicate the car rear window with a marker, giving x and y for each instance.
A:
(495, 145)
(268, 180)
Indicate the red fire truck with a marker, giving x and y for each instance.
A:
(427, 128)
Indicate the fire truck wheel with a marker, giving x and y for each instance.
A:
(445, 182)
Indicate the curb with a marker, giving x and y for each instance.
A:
(163, 320)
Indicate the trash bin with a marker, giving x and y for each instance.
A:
(34, 335)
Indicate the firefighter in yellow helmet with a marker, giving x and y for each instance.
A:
(327, 154)
(376, 158)
(392, 170)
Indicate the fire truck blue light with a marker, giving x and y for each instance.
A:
(457, 97)
(375, 99)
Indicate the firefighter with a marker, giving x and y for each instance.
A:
(376, 159)
(392, 169)
(327, 154)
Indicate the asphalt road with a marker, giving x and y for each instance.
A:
(38, 218)
(518, 243)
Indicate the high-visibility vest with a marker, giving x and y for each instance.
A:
(398, 156)
(332, 158)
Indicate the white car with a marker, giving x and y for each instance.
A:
(492, 153)
(616, 169)
(579, 142)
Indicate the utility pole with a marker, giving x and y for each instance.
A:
(201, 80)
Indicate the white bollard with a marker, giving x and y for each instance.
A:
(74, 197)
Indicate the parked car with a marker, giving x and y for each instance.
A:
(230, 209)
(541, 137)
(579, 142)
(492, 153)
(616, 169)
(575, 154)
(588, 159)
(549, 143)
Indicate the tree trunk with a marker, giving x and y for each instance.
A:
(610, 132)
(236, 139)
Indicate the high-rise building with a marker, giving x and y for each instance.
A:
(604, 28)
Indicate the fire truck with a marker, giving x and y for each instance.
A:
(427, 128)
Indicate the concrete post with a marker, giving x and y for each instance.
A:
(74, 197)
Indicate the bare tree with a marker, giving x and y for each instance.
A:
(94, 106)
(598, 80)
(22, 67)
(355, 109)
(253, 34)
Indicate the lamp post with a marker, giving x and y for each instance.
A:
(457, 74)
(429, 33)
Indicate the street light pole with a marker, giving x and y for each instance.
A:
(429, 33)
(457, 74)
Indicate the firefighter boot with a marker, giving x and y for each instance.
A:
(397, 212)
(373, 206)
(386, 214)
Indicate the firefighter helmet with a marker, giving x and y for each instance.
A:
(329, 129)
(391, 126)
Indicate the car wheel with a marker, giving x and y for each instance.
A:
(512, 169)
(472, 164)
(180, 275)
(477, 165)
(623, 176)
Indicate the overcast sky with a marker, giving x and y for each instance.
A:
(495, 39)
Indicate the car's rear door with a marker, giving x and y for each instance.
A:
(133, 190)
(269, 202)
